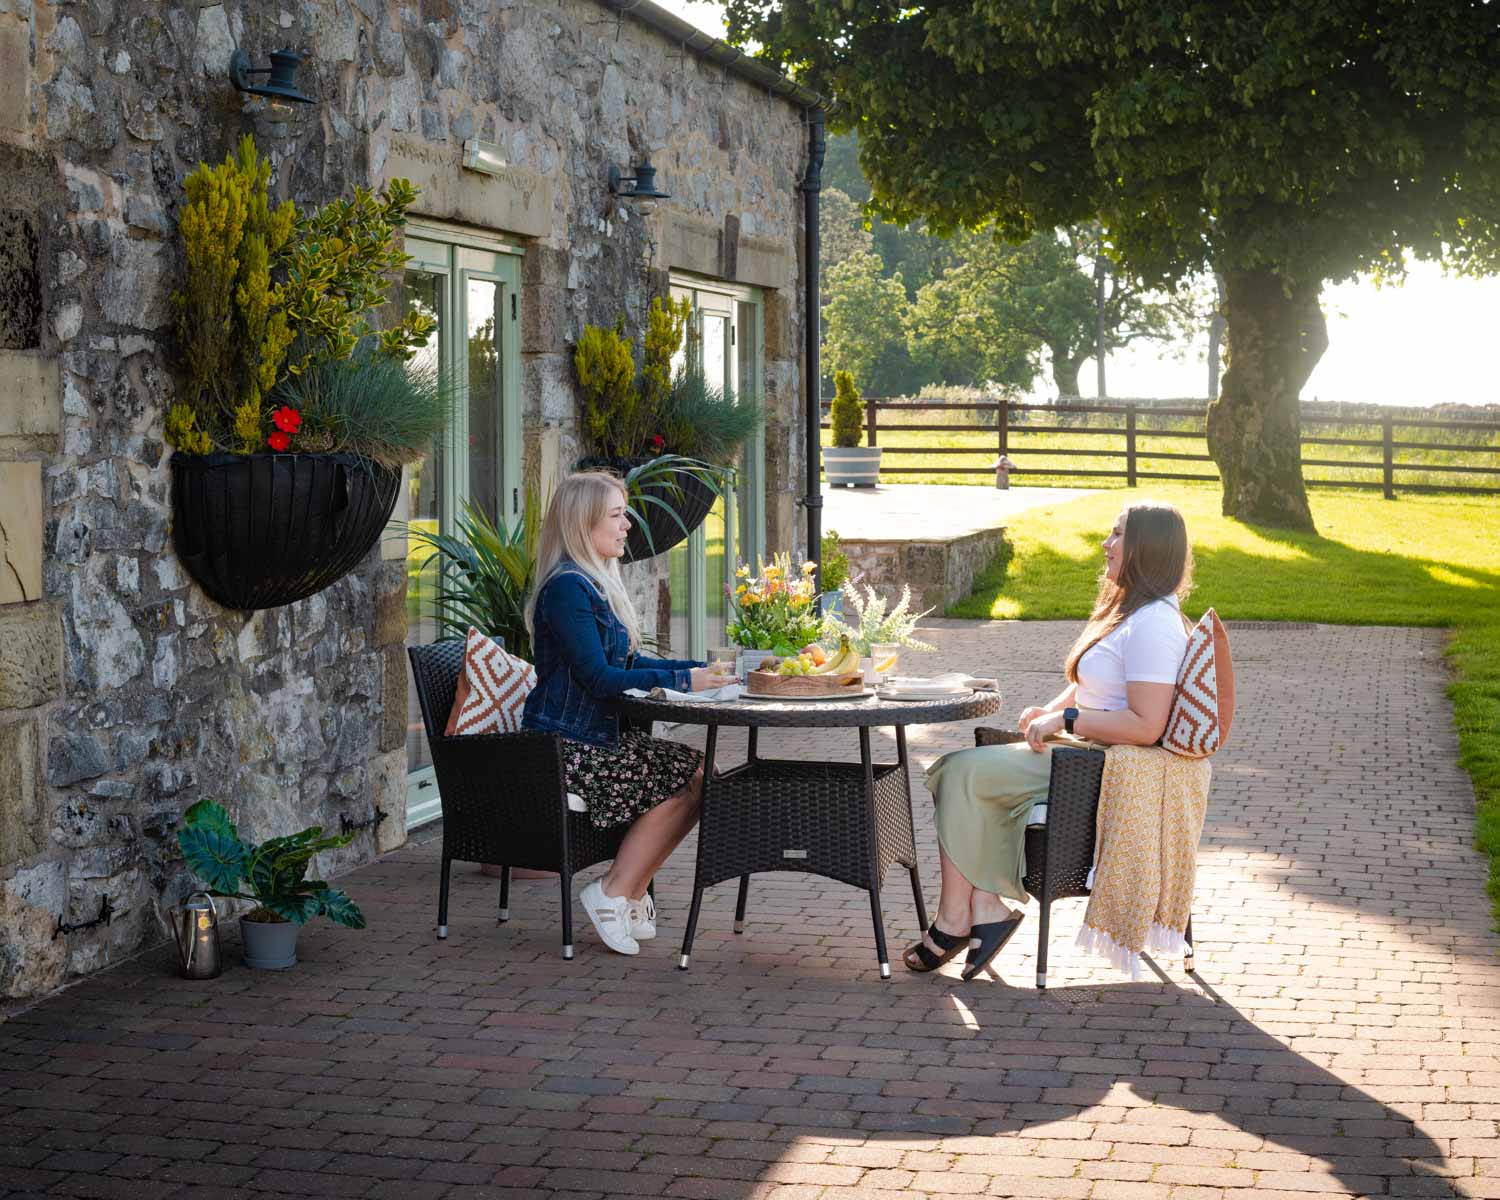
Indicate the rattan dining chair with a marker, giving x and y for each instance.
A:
(503, 795)
(1060, 854)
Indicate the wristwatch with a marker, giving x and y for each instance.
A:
(1069, 716)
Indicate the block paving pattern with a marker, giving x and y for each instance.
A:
(1340, 1039)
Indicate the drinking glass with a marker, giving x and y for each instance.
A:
(723, 660)
(884, 656)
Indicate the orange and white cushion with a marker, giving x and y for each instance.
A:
(492, 689)
(1203, 706)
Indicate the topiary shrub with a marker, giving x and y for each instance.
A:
(848, 412)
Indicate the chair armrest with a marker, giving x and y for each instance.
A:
(990, 735)
(517, 774)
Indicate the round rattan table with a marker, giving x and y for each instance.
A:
(843, 820)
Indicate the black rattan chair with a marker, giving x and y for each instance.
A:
(1060, 853)
(503, 795)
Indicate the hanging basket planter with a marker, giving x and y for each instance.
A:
(262, 530)
(691, 504)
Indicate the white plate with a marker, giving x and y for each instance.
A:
(807, 699)
(956, 694)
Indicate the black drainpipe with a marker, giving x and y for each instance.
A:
(812, 187)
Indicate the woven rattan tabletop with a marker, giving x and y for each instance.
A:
(871, 710)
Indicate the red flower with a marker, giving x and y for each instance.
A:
(287, 419)
(657, 441)
(278, 441)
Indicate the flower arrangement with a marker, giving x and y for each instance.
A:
(275, 312)
(773, 610)
(874, 623)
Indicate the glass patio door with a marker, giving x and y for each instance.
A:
(724, 343)
(472, 289)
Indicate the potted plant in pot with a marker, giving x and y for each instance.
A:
(846, 461)
(294, 416)
(772, 612)
(834, 571)
(877, 630)
(673, 437)
(273, 875)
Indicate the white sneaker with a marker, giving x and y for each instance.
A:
(643, 918)
(611, 918)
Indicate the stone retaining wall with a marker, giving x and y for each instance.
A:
(125, 694)
(940, 572)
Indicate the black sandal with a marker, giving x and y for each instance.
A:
(991, 937)
(950, 944)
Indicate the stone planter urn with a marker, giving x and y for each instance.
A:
(270, 945)
(262, 530)
(853, 466)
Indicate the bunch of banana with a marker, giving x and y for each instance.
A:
(844, 661)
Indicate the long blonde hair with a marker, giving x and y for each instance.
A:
(1155, 561)
(579, 503)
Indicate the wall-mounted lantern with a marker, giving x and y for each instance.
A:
(642, 192)
(281, 76)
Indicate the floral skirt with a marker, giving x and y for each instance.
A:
(620, 782)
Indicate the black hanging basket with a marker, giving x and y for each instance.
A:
(263, 530)
(691, 504)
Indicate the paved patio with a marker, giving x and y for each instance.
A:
(905, 511)
(1342, 1038)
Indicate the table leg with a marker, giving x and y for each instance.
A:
(710, 743)
(916, 877)
(867, 761)
(754, 741)
(739, 904)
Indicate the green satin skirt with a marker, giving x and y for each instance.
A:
(984, 797)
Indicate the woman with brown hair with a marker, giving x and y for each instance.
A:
(1121, 674)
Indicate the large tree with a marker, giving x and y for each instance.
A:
(1280, 144)
(865, 327)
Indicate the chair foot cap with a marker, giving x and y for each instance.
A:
(567, 951)
(442, 931)
(739, 927)
(1041, 982)
(885, 970)
(682, 963)
(1187, 964)
(505, 914)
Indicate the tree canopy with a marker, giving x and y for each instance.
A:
(1279, 144)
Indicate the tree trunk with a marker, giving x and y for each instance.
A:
(1215, 337)
(1065, 370)
(1275, 336)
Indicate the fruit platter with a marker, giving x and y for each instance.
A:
(813, 673)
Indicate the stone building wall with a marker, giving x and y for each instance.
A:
(125, 694)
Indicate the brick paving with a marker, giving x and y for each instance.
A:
(1341, 1038)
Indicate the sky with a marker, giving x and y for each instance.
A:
(1417, 344)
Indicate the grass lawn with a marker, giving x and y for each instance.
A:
(1430, 560)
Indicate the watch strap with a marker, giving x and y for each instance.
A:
(1069, 716)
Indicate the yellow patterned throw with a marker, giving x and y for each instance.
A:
(1151, 808)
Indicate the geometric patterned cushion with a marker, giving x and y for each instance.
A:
(491, 689)
(1203, 705)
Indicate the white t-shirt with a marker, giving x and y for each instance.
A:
(1147, 647)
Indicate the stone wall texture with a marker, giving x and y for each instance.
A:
(125, 694)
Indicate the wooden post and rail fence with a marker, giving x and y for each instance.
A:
(1010, 434)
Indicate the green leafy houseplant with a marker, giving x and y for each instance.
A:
(708, 423)
(485, 572)
(847, 413)
(835, 567)
(273, 874)
(875, 622)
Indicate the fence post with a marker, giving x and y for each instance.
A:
(870, 407)
(1389, 456)
(1130, 445)
(1002, 423)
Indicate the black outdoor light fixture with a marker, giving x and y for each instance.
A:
(281, 76)
(642, 190)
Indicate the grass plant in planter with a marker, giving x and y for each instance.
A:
(294, 415)
(671, 436)
(846, 461)
(272, 874)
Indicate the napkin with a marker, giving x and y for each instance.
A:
(954, 680)
(730, 691)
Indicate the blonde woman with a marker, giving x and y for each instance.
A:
(1121, 674)
(586, 639)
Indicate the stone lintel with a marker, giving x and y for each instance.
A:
(721, 251)
(515, 201)
(20, 531)
(692, 243)
(764, 262)
(30, 395)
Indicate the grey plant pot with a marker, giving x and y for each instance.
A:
(857, 466)
(270, 945)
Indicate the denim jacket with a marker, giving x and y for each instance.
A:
(583, 662)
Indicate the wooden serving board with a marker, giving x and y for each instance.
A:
(769, 683)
